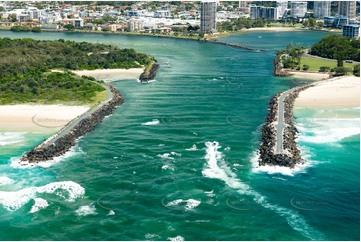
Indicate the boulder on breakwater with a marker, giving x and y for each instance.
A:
(149, 73)
(291, 155)
(46, 151)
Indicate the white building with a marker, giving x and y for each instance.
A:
(282, 7)
(347, 8)
(208, 16)
(135, 25)
(162, 14)
(298, 9)
(321, 9)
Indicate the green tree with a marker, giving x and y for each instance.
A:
(311, 23)
(69, 27)
(356, 70)
(36, 29)
(319, 25)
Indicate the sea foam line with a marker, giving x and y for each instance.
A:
(217, 168)
(14, 200)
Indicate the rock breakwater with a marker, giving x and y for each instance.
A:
(48, 150)
(291, 154)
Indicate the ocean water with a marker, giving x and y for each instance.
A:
(177, 160)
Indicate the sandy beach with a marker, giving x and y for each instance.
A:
(274, 29)
(339, 92)
(112, 74)
(310, 75)
(37, 118)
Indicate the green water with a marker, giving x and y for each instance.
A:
(175, 161)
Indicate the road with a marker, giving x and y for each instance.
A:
(69, 126)
(280, 123)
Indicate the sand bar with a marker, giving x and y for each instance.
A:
(339, 92)
(310, 75)
(112, 74)
(37, 118)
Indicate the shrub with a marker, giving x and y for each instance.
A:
(356, 70)
(305, 67)
(324, 69)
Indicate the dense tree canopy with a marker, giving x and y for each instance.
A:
(26, 64)
(337, 47)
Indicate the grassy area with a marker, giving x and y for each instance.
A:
(148, 67)
(285, 25)
(316, 63)
(100, 97)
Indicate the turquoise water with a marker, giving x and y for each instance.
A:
(176, 161)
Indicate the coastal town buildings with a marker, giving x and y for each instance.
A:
(335, 21)
(298, 9)
(347, 8)
(262, 12)
(321, 9)
(208, 16)
(135, 25)
(282, 7)
(351, 30)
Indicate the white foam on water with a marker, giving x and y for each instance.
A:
(168, 167)
(227, 148)
(283, 170)
(86, 210)
(174, 202)
(177, 238)
(4, 180)
(217, 168)
(193, 148)
(192, 203)
(38, 205)
(153, 122)
(165, 156)
(14, 200)
(111, 213)
(161, 145)
(188, 204)
(152, 236)
(10, 138)
(150, 81)
(210, 194)
(16, 162)
(175, 153)
(331, 130)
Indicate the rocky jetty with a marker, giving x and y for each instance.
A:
(235, 45)
(46, 152)
(291, 155)
(149, 75)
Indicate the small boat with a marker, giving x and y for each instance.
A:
(167, 64)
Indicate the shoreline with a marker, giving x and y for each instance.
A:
(111, 74)
(314, 76)
(337, 92)
(37, 118)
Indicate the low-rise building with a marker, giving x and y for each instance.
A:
(335, 21)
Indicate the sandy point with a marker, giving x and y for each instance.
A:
(338, 92)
